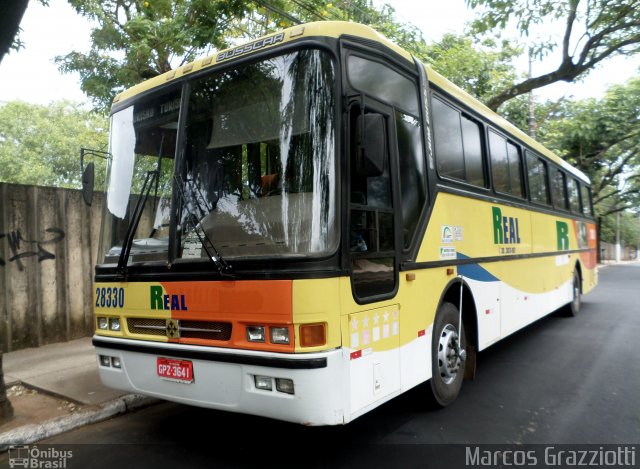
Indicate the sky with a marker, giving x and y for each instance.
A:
(31, 74)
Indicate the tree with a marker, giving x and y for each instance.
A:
(137, 39)
(594, 30)
(483, 69)
(602, 138)
(10, 17)
(40, 145)
(629, 229)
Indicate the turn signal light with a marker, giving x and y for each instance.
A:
(313, 335)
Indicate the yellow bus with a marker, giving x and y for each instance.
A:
(305, 226)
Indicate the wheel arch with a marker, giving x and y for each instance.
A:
(578, 269)
(451, 294)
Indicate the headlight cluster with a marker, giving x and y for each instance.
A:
(311, 335)
(109, 324)
(277, 335)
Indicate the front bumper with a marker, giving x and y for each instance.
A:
(224, 379)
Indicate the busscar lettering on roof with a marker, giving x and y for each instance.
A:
(251, 47)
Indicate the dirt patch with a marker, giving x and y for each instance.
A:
(33, 407)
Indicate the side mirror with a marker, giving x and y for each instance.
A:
(371, 141)
(88, 172)
(88, 177)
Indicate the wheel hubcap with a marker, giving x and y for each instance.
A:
(448, 358)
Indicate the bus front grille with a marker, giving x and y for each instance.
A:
(205, 330)
(147, 326)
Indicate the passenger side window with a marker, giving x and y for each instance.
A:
(587, 208)
(458, 144)
(537, 179)
(387, 85)
(413, 178)
(382, 82)
(574, 195)
(506, 167)
(372, 232)
(558, 191)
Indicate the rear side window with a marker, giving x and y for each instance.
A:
(458, 144)
(506, 167)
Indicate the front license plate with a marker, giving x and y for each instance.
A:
(175, 370)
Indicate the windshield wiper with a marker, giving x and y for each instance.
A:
(193, 200)
(135, 218)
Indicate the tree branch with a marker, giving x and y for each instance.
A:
(569, 28)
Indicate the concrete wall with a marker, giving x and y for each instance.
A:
(608, 252)
(48, 247)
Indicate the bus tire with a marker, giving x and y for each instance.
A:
(446, 366)
(574, 306)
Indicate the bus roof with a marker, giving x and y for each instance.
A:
(336, 29)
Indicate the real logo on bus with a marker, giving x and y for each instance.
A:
(506, 229)
(167, 302)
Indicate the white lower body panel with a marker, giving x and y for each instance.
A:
(318, 398)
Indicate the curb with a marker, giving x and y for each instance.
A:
(35, 432)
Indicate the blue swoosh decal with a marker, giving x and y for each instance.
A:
(474, 271)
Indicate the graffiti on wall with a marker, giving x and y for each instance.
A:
(21, 248)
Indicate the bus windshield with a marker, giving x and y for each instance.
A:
(258, 178)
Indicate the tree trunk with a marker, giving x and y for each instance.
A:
(6, 409)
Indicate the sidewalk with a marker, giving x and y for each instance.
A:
(56, 388)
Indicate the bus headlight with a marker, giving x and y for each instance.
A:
(114, 324)
(103, 323)
(255, 333)
(279, 335)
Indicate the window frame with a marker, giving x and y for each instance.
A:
(508, 140)
(412, 74)
(462, 113)
(545, 165)
(560, 171)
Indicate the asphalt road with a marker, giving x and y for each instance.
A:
(560, 381)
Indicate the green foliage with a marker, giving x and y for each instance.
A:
(629, 229)
(137, 39)
(11, 22)
(482, 70)
(594, 30)
(602, 138)
(40, 145)
(134, 40)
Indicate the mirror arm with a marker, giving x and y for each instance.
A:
(88, 172)
(90, 152)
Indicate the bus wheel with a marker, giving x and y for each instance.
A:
(447, 366)
(573, 308)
